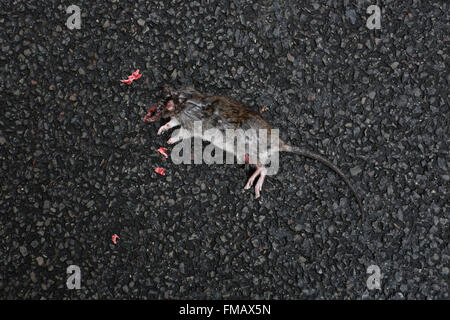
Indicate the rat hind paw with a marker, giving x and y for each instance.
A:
(260, 182)
(261, 172)
(252, 178)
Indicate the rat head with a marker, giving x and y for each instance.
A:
(165, 108)
(170, 104)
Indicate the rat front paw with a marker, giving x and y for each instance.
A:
(173, 140)
(162, 130)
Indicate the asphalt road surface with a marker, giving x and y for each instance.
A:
(77, 161)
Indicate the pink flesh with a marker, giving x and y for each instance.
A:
(114, 238)
(170, 105)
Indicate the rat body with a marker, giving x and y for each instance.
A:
(185, 106)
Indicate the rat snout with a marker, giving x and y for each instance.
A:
(153, 114)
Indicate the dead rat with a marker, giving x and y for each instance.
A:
(187, 106)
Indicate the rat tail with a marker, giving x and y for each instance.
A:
(318, 157)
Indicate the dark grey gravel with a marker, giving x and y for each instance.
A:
(76, 160)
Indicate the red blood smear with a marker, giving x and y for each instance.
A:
(127, 81)
(114, 238)
(160, 171)
(163, 150)
(149, 113)
(134, 76)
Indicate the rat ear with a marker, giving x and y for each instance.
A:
(170, 105)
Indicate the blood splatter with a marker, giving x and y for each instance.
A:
(134, 76)
(163, 150)
(114, 238)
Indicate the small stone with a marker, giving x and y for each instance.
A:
(195, 190)
(290, 57)
(351, 14)
(417, 92)
(445, 271)
(40, 261)
(141, 22)
(355, 171)
(394, 65)
(23, 251)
